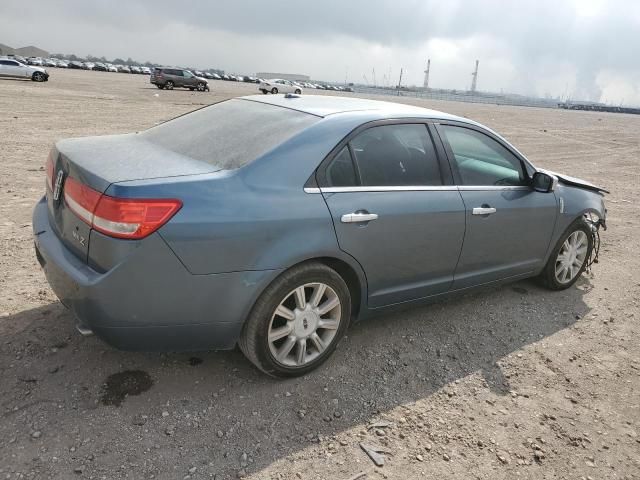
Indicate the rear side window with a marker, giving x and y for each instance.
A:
(340, 172)
(396, 155)
(230, 134)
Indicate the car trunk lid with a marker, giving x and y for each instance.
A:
(97, 162)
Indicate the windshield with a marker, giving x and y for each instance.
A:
(230, 134)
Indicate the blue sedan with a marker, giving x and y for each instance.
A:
(273, 222)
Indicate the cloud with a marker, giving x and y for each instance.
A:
(535, 47)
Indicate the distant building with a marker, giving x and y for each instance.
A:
(285, 76)
(26, 52)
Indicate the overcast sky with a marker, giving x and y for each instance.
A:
(588, 49)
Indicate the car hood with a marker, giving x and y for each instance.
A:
(202, 78)
(576, 182)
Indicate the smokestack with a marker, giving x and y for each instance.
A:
(426, 74)
(474, 80)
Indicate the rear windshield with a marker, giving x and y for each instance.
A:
(230, 134)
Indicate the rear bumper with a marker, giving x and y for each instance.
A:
(148, 301)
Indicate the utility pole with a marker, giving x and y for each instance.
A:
(474, 76)
(374, 77)
(400, 82)
(426, 74)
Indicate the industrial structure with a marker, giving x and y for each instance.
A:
(474, 80)
(426, 74)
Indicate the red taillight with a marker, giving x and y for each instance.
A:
(118, 217)
(81, 199)
(49, 168)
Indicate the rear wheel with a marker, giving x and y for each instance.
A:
(264, 91)
(569, 258)
(38, 77)
(298, 320)
(274, 90)
(169, 85)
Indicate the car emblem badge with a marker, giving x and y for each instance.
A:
(305, 323)
(58, 186)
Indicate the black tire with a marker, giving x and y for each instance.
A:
(254, 338)
(274, 90)
(548, 275)
(264, 91)
(298, 91)
(160, 86)
(168, 85)
(38, 77)
(201, 87)
(191, 88)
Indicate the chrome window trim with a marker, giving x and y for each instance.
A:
(480, 188)
(415, 188)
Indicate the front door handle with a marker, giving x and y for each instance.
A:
(483, 210)
(358, 217)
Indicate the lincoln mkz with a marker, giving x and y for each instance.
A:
(273, 222)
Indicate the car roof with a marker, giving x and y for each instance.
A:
(324, 105)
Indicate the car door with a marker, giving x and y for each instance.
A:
(178, 78)
(189, 79)
(10, 68)
(508, 224)
(395, 210)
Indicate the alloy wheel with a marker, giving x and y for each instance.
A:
(571, 257)
(304, 324)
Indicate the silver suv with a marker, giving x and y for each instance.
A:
(169, 78)
(10, 67)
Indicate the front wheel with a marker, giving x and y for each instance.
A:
(569, 258)
(201, 87)
(298, 320)
(38, 77)
(274, 90)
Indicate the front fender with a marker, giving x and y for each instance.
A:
(574, 203)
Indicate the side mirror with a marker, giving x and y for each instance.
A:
(543, 182)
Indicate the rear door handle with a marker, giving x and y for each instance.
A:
(483, 210)
(358, 217)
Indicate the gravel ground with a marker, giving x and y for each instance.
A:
(509, 382)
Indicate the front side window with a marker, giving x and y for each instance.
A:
(482, 161)
(188, 74)
(396, 155)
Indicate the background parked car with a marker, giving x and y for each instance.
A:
(112, 68)
(88, 65)
(100, 67)
(124, 69)
(145, 70)
(76, 65)
(10, 67)
(170, 78)
(278, 85)
(37, 61)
